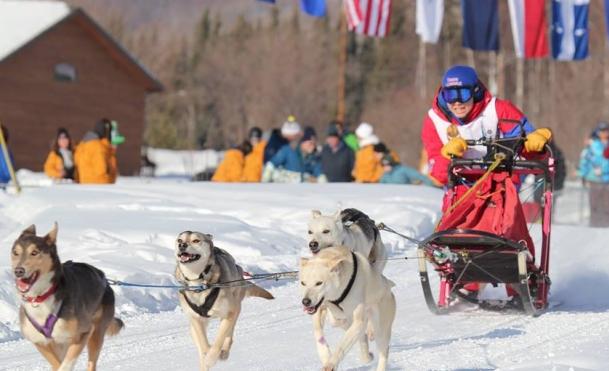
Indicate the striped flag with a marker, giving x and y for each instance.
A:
(353, 13)
(375, 18)
(570, 29)
(429, 19)
(528, 18)
(480, 24)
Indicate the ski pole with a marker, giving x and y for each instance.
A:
(9, 163)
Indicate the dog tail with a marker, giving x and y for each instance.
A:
(116, 325)
(259, 292)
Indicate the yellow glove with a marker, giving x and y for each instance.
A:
(537, 140)
(455, 147)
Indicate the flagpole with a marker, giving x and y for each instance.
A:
(342, 67)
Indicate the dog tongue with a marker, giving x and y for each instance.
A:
(23, 285)
(185, 257)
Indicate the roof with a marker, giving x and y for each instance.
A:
(22, 21)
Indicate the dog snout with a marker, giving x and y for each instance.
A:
(182, 246)
(306, 302)
(313, 244)
(19, 272)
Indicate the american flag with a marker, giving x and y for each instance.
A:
(368, 17)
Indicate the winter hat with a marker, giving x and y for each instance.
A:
(364, 130)
(309, 133)
(255, 132)
(602, 126)
(459, 76)
(332, 130)
(290, 127)
(369, 140)
(103, 128)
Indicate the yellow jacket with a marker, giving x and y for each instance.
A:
(53, 166)
(95, 162)
(254, 162)
(367, 168)
(231, 168)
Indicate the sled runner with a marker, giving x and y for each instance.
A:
(482, 241)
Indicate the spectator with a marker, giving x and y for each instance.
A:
(368, 168)
(346, 136)
(337, 159)
(594, 169)
(5, 172)
(311, 156)
(395, 173)
(94, 157)
(287, 165)
(276, 141)
(231, 167)
(60, 161)
(380, 149)
(254, 161)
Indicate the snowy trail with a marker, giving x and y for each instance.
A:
(128, 230)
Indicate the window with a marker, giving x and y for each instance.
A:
(65, 72)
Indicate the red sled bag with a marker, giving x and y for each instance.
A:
(493, 206)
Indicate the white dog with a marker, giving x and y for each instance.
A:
(343, 283)
(351, 228)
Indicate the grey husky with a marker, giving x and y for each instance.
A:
(199, 262)
(64, 307)
(351, 228)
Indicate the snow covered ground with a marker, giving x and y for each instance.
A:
(128, 230)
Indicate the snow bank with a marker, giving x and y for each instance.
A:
(183, 163)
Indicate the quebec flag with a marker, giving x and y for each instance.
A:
(570, 31)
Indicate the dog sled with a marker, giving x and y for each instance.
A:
(483, 241)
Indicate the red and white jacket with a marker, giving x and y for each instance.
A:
(488, 116)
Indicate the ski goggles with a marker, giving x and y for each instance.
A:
(459, 94)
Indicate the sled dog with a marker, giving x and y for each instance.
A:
(64, 307)
(343, 283)
(199, 262)
(351, 228)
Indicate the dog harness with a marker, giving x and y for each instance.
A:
(47, 329)
(201, 276)
(349, 285)
(203, 309)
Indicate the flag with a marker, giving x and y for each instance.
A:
(528, 18)
(480, 24)
(607, 16)
(429, 19)
(315, 8)
(354, 13)
(375, 17)
(570, 29)
(268, 1)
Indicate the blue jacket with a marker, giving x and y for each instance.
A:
(401, 174)
(593, 166)
(291, 159)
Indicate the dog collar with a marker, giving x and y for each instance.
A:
(201, 276)
(349, 285)
(40, 298)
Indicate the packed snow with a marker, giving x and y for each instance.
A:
(128, 230)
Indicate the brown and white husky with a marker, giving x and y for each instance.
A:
(64, 307)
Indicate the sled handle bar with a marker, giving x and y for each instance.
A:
(537, 167)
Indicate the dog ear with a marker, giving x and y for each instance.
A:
(315, 214)
(336, 265)
(304, 261)
(211, 237)
(337, 215)
(29, 230)
(51, 237)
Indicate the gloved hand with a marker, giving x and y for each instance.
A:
(537, 140)
(455, 147)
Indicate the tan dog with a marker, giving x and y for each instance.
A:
(344, 284)
(201, 263)
(64, 307)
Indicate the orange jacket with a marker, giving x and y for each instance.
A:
(231, 168)
(368, 167)
(53, 166)
(254, 162)
(95, 161)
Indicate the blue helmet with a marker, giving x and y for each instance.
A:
(460, 83)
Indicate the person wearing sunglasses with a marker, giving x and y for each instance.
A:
(464, 101)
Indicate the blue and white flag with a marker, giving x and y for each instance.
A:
(480, 24)
(570, 31)
(315, 8)
(268, 1)
(429, 19)
(607, 16)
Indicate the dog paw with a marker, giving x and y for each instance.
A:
(224, 354)
(328, 367)
(367, 357)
